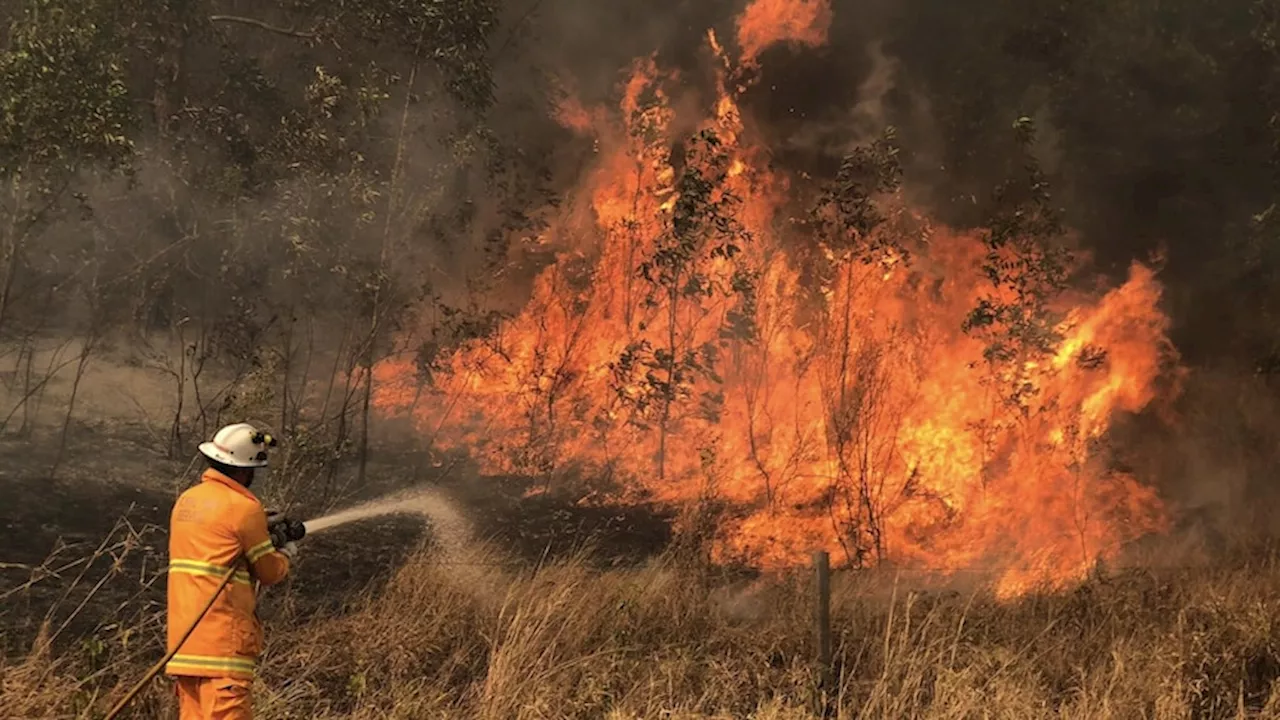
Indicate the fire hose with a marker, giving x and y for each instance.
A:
(280, 531)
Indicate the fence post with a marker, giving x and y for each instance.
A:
(822, 562)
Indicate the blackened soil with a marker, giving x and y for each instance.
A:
(52, 532)
(552, 526)
(116, 501)
(45, 576)
(112, 501)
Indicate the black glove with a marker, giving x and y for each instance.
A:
(284, 530)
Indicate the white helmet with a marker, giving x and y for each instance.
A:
(239, 445)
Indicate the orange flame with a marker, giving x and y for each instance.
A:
(768, 22)
(856, 415)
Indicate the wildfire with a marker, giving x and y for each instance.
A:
(830, 398)
(766, 22)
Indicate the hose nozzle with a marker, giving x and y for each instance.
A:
(285, 530)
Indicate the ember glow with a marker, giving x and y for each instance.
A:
(829, 396)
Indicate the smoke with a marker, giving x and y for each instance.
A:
(862, 121)
(1214, 461)
(1132, 107)
(1149, 125)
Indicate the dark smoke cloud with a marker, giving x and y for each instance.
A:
(1150, 116)
(1161, 132)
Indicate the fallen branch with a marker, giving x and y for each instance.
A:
(262, 26)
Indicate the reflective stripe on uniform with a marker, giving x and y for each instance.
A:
(259, 550)
(198, 567)
(208, 662)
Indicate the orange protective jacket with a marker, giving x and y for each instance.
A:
(215, 526)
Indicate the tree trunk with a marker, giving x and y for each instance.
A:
(12, 240)
(340, 434)
(333, 375)
(300, 397)
(6, 289)
(364, 417)
(175, 431)
(81, 365)
(668, 397)
(285, 370)
(28, 345)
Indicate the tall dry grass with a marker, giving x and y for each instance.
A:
(463, 639)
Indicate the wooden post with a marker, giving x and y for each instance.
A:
(822, 562)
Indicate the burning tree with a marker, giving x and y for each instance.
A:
(1028, 265)
(699, 237)
(864, 411)
(823, 373)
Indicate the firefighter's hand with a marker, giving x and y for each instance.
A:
(290, 550)
(274, 516)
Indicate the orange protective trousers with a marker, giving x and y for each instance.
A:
(205, 698)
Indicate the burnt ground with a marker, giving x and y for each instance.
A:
(110, 477)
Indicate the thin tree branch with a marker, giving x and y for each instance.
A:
(515, 27)
(262, 26)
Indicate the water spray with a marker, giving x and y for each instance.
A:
(424, 502)
(283, 529)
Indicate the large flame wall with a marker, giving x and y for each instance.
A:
(859, 417)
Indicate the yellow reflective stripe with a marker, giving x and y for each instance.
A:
(199, 565)
(196, 567)
(241, 576)
(259, 550)
(209, 662)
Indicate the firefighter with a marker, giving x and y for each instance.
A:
(216, 526)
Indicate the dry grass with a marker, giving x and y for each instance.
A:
(462, 640)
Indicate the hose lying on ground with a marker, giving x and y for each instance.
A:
(169, 655)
